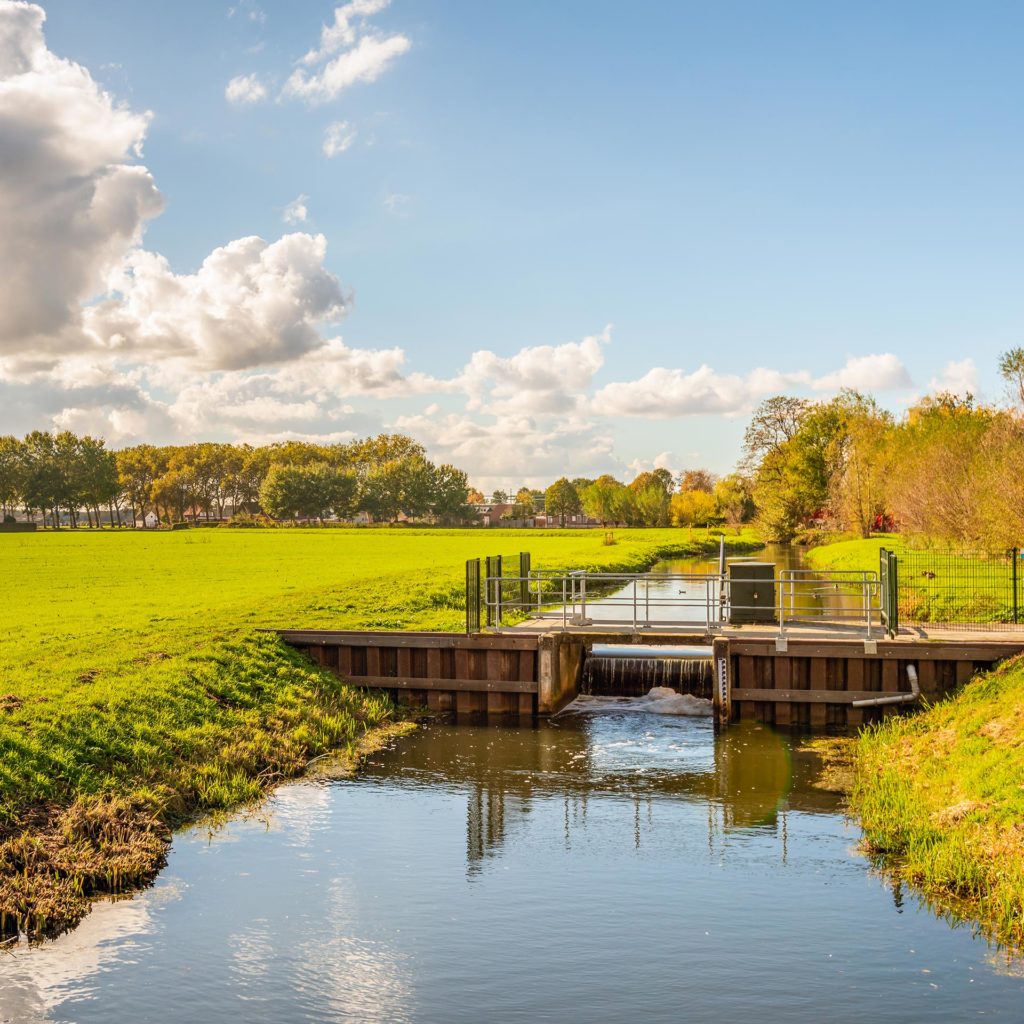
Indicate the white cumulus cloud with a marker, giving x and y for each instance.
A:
(245, 89)
(296, 212)
(338, 136)
(881, 372)
(251, 303)
(667, 393)
(663, 393)
(958, 377)
(72, 198)
(540, 378)
(525, 449)
(351, 50)
(343, 32)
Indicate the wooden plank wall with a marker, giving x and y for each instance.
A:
(813, 683)
(492, 674)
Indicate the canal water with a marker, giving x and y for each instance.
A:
(607, 866)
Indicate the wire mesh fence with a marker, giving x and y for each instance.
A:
(961, 589)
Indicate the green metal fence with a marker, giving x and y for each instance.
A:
(512, 593)
(888, 575)
(473, 596)
(957, 589)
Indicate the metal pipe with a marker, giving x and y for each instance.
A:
(894, 698)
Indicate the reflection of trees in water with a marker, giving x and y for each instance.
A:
(485, 824)
(747, 782)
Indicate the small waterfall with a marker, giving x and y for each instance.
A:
(619, 676)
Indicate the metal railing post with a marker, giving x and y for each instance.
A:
(867, 601)
(782, 601)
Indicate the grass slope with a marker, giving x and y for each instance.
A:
(852, 554)
(135, 690)
(942, 794)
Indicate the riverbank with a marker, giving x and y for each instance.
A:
(138, 694)
(940, 796)
(939, 793)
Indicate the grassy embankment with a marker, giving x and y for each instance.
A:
(940, 793)
(135, 691)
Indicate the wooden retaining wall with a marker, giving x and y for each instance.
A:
(814, 682)
(498, 674)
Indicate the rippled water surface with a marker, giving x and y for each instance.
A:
(609, 866)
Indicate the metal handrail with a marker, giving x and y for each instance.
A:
(856, 582)
(569, 595)
(576, 587)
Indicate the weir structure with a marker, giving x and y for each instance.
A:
(765, 646)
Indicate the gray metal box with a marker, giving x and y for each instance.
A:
(751, 592)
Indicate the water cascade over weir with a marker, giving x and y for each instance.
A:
(632, 670)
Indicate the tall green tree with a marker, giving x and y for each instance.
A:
(562, 499)
(602, 500)
(734, 499)
(1011, 369)
(12, 475)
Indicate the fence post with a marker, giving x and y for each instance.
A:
(894, 595)
(472, 596)
(492, 602)
(524, 579)
(889, 577)
(1014, 555)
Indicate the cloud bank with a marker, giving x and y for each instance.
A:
(101, 335)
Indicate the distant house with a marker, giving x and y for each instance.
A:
(495, 514)
(490, 514)
(577, 520)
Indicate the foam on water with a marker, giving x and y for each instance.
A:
(659, 700)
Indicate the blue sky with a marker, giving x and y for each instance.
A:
(788, 186)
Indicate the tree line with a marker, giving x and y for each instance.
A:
(64, 476)
(657, 498)
(950, 469)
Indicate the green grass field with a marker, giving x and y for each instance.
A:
(133, 677)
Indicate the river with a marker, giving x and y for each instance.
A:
(607, 866)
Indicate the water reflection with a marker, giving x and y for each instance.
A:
(747, 777)
(594, 868)
(34, 981)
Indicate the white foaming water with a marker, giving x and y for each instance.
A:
(659, 700)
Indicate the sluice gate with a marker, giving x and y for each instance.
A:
(632, 670)
(811, 684)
